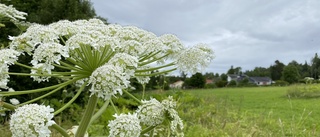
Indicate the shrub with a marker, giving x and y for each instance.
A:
(212, 85)
(221, 83)
(281, 83)
(304, 91)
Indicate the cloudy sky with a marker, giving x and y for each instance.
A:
(244, 33)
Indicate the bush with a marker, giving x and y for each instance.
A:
(232, 83)
(221, 83)
(281, 83)
(212, 85)
(304, 91)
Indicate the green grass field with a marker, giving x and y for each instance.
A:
(241, 112)
(258, 111)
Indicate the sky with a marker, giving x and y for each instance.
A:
(242, 33)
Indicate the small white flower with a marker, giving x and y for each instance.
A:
(14, 101)
(175, 121)
(7, 57)
(125, 125)
(172, 42)
(43, 69)
(108, 80)
(190, 60)
(143, 79)
(12, 13)
(124, 60)
(151, 112)
(31, 120)
(49, 53)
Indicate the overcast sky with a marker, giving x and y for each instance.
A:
(244, 33)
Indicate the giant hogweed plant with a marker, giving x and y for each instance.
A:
(101, 59)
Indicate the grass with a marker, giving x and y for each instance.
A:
(256, 111)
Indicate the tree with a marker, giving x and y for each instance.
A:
(224, 77)
(290, 74)
(209, 75)
(258, 72)
(197, 81)
(276, 70)
(315, 66)
(231, 70)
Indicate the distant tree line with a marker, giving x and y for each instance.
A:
(279, 72)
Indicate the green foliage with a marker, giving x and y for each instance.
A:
(211, 85)
(196, 81)
(221, 83)
(281, 83)
(276, 70)
(258, 72)
(232, 83)
(304, 91)
(290, 74)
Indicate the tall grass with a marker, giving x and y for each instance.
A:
(236, 112)
(259, 111)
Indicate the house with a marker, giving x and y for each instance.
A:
(177, 84)
(260, 80)
(209, 81)
(236, 77)
(255, 80)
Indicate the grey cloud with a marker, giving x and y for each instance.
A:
(242, 33)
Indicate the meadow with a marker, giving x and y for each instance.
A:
(236, 112)
(256, 111)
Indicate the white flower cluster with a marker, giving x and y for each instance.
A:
(124, 60)
(108, 80)
(169, 105)
(14, 101)
(151, 112)
(10, 12)
(31, 120)
(190, 60)
(125, 125)
(7, 57)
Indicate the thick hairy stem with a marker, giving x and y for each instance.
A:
(100, 112)
(84, 124)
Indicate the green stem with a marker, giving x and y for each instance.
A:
(133, 97)
(156, 68)
(72, 100)
(148, 62)
(43, 96)
(157, 73)
(114, 107)
(85, 121)
(146, 130)
(7, 105)
(143, 90)
(148, 56)
(38, 90)
(23, 65)
(100, 112)
(60, 130)
(28, 74)
(68, 68)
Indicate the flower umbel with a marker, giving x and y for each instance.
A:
(31, 120)
(151, 112)
(125, 125)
